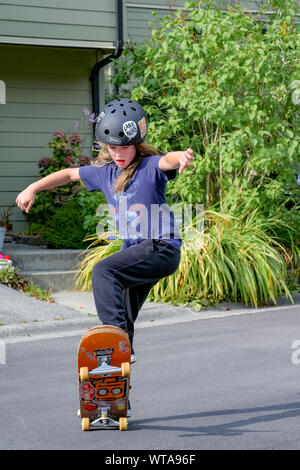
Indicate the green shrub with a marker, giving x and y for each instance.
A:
(89, 203)
(237, 260)
(226, 85)
(66, 153)
(232, 259)
(65, 228)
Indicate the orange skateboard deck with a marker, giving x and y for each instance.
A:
(104, 378)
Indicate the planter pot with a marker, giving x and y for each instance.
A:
(2, 235)
(5, 263)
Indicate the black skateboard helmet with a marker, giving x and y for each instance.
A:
(122, 122)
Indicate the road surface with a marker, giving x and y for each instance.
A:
(226, 383)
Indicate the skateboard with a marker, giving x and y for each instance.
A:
(104, 378)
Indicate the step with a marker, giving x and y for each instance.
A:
(48, 268)
(55, 280)
(42, 259)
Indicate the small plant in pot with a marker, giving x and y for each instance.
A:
(5, 220)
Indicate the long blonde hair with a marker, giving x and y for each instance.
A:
(142, 150)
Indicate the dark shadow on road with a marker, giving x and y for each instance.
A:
(263, 414)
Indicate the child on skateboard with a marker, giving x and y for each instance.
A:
(133, 178)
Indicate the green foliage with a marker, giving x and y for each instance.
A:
(45, 215)
(231, 259)
(65, 229)
(93, 255)
(224, 85)
(10, 277)
(66, 154)
(89, 203)
(38, 292)
(236, 261)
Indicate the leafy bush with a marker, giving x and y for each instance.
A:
(89, 203)
(66, 154)
(225, 85)
(43, 217)
(65, 229)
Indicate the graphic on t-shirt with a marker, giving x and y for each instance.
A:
(128, 215)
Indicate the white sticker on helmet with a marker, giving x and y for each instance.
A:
(100, 117)
(114, 140)
(130, 129)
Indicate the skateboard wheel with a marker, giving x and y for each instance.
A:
(85, 424)
(123, 424)
(125, 366)
(84, 373)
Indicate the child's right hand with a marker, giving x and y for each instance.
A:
(26, 199)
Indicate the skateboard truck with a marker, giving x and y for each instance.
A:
(104, 370)
(104, 363)
(104, 420)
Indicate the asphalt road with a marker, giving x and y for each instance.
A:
(227, 383)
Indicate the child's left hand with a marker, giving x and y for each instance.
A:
(185, 160)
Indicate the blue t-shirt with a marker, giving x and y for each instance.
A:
(141, 211)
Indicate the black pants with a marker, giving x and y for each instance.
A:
(122, 281)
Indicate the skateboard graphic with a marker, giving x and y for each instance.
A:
(104, 378)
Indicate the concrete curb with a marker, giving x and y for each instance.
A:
(26, 318)
(18, 332)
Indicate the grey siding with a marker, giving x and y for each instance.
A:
(46, 90)
(139, 15)
(91, 20)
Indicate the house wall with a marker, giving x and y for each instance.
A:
(46, 87)
(46, 90)
(58, 22)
